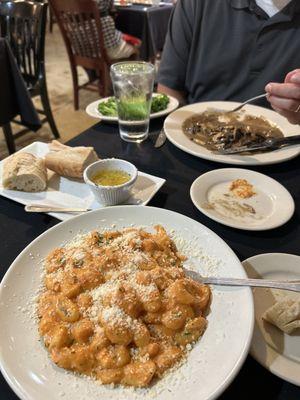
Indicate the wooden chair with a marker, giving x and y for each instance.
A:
(80, 25)
(52, 20)
(23, 24)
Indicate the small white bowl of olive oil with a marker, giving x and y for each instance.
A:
(111, 180)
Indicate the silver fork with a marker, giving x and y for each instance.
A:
(246, 102)
(293, 286)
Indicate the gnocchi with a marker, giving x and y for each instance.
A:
(117, 306)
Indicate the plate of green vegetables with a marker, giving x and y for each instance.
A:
(106, 108)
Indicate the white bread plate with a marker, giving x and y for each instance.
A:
(62, 191)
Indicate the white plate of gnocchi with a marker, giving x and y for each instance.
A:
(99, 306)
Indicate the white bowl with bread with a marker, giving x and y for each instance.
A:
(110, 180)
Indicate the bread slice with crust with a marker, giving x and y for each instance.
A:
(24, 172)
(69, 161)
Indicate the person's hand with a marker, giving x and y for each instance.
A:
(285, 97)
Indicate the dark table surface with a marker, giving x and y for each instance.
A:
(18, 229)
(149, 24)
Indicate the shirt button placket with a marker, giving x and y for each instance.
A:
(257, 62)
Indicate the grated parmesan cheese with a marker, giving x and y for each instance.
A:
(175, 376)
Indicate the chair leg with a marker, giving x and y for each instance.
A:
(99, 83)
(9, 138)
(47, 109)
(50, 20)
(106, 82)
(76, 97)
(75, 85)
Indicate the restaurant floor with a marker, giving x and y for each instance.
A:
(69, 122)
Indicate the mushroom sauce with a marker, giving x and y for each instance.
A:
(218, 130)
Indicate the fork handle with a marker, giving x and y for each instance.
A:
(286, 285)
(256, 98)
(248, 101)
(286, 141)
(45, 208)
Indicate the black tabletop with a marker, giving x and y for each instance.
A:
(17, 229)
(149, 24)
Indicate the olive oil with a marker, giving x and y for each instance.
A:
(111, 177)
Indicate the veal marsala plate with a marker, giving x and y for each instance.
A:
(173, 128)
(211, 365)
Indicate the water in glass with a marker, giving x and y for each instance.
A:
(133, 86)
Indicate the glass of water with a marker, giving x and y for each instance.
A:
(133, 87)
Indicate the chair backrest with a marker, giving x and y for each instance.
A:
(23, 24)
(80, 25)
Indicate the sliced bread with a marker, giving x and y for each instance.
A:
(24, 172)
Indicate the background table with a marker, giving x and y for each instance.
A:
(149, 24)
(17, 229)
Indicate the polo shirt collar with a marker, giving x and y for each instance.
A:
(292, 8)
(287, 14)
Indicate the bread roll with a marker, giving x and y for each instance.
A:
(25, 172)
(69, 161)
(285, 315)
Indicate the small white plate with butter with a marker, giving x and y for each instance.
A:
(242, 199)
(272, 348)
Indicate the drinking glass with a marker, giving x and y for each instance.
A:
(133, 87)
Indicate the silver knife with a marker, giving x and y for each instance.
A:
(269, 144)
(49, 208)
(161, 139)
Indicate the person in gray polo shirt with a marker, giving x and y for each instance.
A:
(234, 50)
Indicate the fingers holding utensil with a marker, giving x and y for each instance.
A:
(285, 97)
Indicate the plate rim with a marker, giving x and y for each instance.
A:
(273, 370)
(108, 119)
(232, 225)
(215, 157)
(231, 375)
